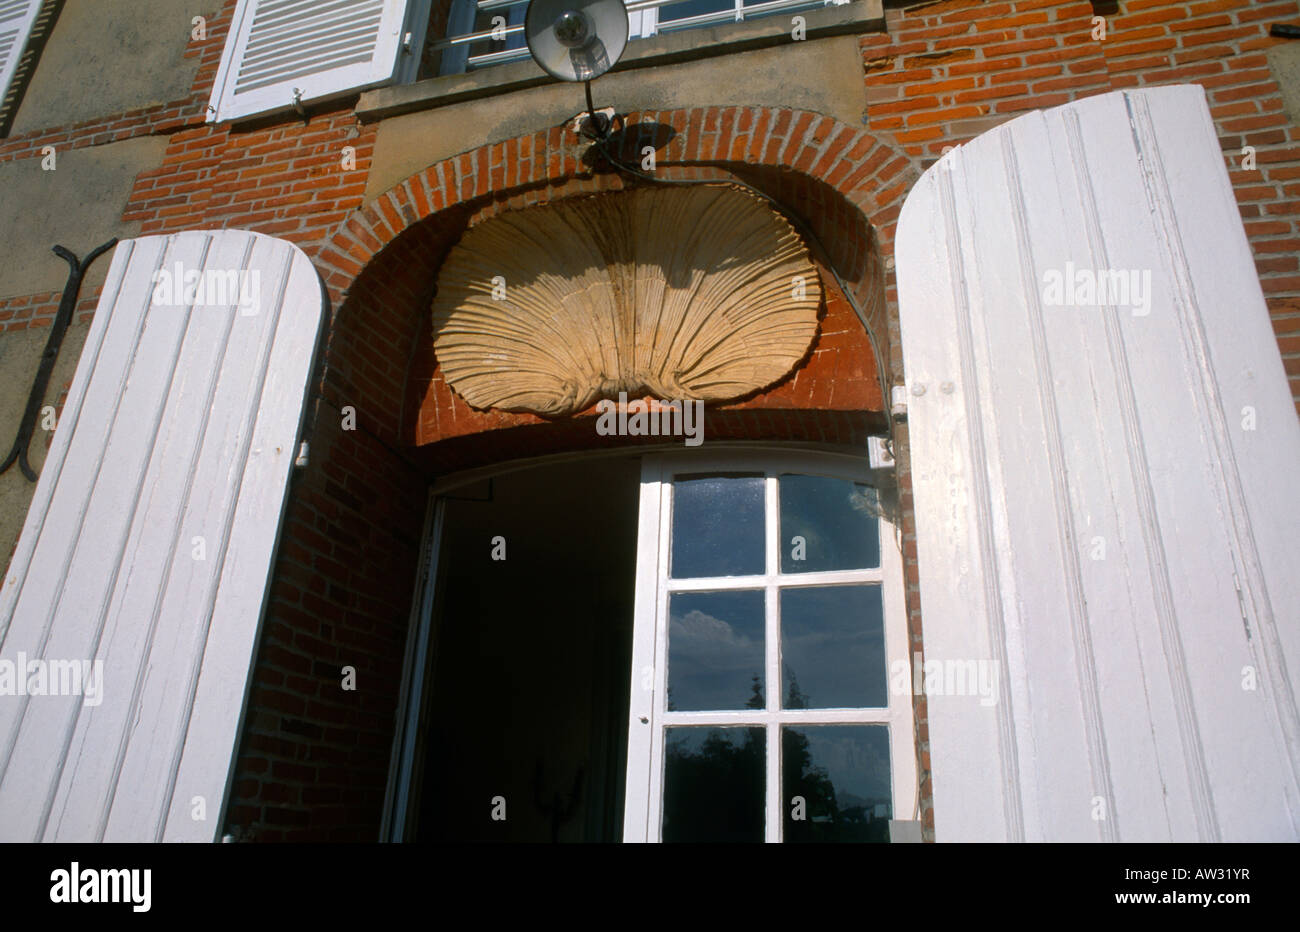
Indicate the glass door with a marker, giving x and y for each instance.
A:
(769, 617)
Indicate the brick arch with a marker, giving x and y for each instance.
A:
(379, 266)
(314, 761)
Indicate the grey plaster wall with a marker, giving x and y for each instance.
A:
(78, 205)
(20, 353)
(108, 56)
(822, 75)
(1284, 62)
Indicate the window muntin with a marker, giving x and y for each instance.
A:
(828, 635)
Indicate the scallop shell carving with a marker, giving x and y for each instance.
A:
(699, 292)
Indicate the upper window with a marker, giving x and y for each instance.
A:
(481, 33)
(283, 54)
(769, 615)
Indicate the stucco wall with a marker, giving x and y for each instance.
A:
(1284, 62)
(109, 57)
(20, 354)
(78, 205)
(822, 75)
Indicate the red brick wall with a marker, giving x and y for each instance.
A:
(315, 758)
(39, 310)
(947, 71)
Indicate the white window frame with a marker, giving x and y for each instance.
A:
(648, 716)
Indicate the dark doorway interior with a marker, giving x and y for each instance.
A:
(531, 657)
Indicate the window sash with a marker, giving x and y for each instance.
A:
(649, 718)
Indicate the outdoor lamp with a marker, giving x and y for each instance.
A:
(578, 40)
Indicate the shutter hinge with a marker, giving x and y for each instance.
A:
(406, 43)
(898, 402)
(879, 453)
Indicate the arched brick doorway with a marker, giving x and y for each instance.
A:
(314, 762)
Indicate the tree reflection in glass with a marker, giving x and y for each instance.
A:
(714, 784)
(841, 773)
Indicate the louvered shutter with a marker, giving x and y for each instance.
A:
(1104, 487)
(280, 51)
(16, 20)
(149, 541)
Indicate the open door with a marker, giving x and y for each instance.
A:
(770, 694)
(660, 647)
(519, 659)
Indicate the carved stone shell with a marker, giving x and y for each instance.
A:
(698, 292)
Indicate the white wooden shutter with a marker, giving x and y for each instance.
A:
(1105, 497)
(16, 20)
(149, 541)
(280, 51)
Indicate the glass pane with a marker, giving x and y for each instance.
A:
(690, 8)
(717, 526)
(833, 648)
(841, 772)
(827, 524)
(715, 650)
(483, 22)
(793, 8)
(713, 784)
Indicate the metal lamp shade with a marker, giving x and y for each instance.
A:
(576, 40)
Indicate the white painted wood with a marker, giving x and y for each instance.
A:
(649, 715)
(1042, 433)
(646, 678)
(149, 541)
(16, 20)
(402, 792)
(282, 50)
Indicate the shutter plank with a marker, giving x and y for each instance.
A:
(221, 687)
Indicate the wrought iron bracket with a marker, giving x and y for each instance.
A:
(67, 304)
